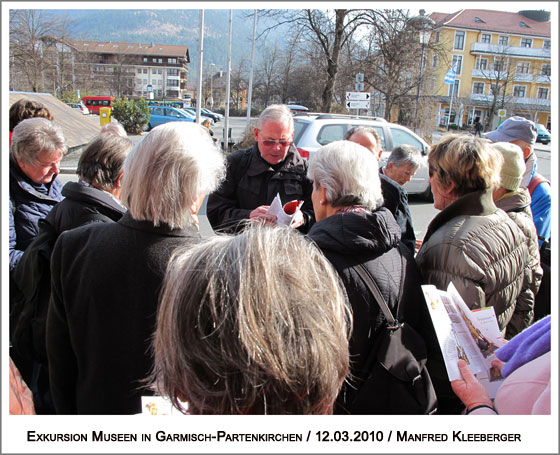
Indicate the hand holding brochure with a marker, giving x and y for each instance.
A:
(473, 336)
(286, 213)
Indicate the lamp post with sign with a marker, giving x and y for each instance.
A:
(424, 25)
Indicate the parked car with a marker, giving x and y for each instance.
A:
(192, 111)
(543, 135)
(79, 107)
(315, 130)
(217, 117)
(164, 114)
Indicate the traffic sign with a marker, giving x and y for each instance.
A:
(360, 77)
(359, 86)
(358, 96)
(362, 104)
(502, 113)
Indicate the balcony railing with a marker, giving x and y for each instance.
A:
(513, 51)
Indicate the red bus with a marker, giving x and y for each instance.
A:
(93, 103)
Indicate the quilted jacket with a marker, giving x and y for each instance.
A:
(517, 206)
(478, 247)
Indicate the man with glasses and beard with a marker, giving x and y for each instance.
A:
(256, 175)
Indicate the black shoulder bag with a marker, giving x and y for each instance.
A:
(398, 381)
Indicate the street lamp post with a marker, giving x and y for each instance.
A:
(211, 100)
(424, 25)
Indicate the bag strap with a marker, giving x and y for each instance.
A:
(536, 181)
(363, 272)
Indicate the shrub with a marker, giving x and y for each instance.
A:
(133, 116)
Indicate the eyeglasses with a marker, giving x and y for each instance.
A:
(283, 143)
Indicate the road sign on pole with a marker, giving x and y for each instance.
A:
(362, 104)
(359, 86)
(360, 77)
(502, 113)
(358, 96)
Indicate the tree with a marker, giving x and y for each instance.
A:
(39, 51)
(133, 116)
(393, 60)
(330, 30)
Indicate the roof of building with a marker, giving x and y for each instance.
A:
(77, 128)
(495, 21)
(100, 47)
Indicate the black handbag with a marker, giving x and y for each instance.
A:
(398, 381)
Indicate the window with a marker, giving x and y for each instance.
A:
(479, 20)
(172, 82)
(157, 111)
(499, 65)
(481, 63)
(545, 69)
(526, 42)
(159, 82)
(523, 67)
(486, 38)
(503, 40)
(459, 41)
(171, 60)
(138, 81)
(519, 91)
(173, 72)
(159, 71)
(542, 93)
(139, 70)
(154, 60)
(401, 137)
(110, 69)
(145, 81)
(145, 70)
(524, 25)
(457, 63)
(436, 37)
(456, 87)
(546, 44)
(154, 71)
(434, 61)
(145, 59)
(478, 88)
(160, 60)
(99, 68)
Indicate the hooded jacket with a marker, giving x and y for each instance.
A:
(477, 246)
(373, 240)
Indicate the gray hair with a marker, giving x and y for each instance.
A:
(173, 166)
(101, 163)
(349, 173)
(405, 154)
(34, 136)
(364, 129)
(114, 128)
(276, 113)
(255, 323)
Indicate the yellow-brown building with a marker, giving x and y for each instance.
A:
(502, 62)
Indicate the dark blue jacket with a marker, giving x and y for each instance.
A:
(29, 202)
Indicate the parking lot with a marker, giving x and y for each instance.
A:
(422, 212)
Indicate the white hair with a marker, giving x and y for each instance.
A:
(349, 173)
(276, 113)
(173, 166)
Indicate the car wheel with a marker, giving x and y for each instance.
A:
(427, 194)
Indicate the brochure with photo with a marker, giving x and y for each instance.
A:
(284, 213)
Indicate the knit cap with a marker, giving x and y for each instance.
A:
(513, 167)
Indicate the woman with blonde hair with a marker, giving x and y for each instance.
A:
(252, 324)
(106, 277)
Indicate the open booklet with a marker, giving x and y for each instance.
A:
(284, 213)
(473, 336)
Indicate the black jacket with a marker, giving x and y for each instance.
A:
(82, 205)
(395, 199)
(371, 239)
(251, 182)
(106, 280)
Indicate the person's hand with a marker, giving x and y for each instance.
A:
(260, 214)
(469, 389)
(498, 364)
(297, 220)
